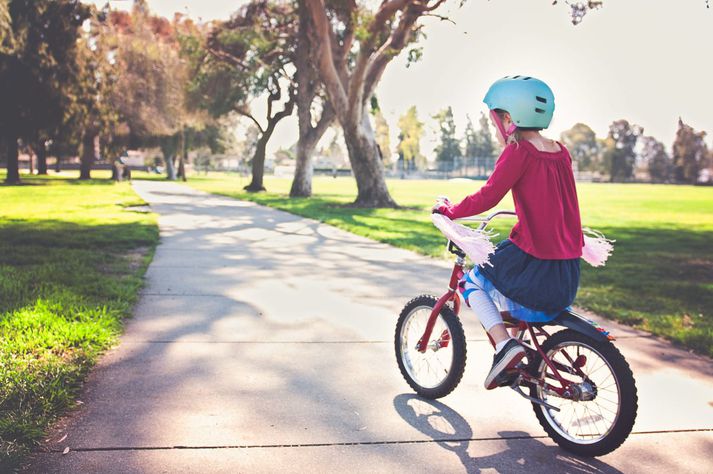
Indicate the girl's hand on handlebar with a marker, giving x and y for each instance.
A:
(442, 206)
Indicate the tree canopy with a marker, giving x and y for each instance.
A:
(409, 147)
(581, 141)
(35, 68)
(689, 153)
(244, 58)
(448, 151)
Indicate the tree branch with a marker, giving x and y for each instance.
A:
(434, 6)
(391, 47)
(324, 122)
(326, 66)
(387, 11)
(245, 113)
(285, 112)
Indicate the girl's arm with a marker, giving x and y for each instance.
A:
(508, 169)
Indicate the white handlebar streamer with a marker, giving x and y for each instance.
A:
(475, 243)
(597, 248)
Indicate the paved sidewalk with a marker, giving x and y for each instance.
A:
(263, 342)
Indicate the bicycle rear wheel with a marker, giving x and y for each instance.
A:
(600, 413)
(437, 371)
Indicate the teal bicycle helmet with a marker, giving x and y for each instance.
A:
(529, 101)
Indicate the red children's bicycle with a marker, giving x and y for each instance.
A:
(581, 387)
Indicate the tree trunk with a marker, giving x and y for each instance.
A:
(366, 165)
(170, 167)
(41, 151)
(302, 182)
(258, 165)
(13, 172)
(87, 158)
(307, 83)
(182, 155)
(182, 165)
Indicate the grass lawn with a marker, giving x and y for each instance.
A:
(71, 263)
(660, 277)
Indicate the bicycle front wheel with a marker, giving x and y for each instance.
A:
(435, 372)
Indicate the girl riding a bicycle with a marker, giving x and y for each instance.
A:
(534, 274)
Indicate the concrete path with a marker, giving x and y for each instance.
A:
(263, 343)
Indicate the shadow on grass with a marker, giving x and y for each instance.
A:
(50, 180)
(46, 255)
(64, 288)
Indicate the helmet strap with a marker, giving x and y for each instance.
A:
(499, 124)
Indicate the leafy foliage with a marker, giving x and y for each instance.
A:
(689, 153)
(657, 161)
(409, 147)
(448, 150)
(581, 141)
(478, 143)
(619, 155)
(149, 93)
(246, 57)
(6, 33)
(35, 70)
(383, 138)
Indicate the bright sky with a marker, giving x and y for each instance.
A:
(649, 62)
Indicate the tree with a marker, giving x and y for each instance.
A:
(689, 153)
(479, 146)
(149, 93)
(247, 57)
(314, 112)
(581, 141)
(92, 114)
(656, 160)
(448, 151)
(409, 147)
(35, 69)
(619, 154)
(478, 143)
(353, 46)
(7, 39)
(383, 136)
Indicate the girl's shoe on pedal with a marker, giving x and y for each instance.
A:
(507, 358)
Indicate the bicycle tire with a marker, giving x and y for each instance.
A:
(624, 378)
(454, 326)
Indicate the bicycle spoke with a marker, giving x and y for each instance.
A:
(430, 367)
(586, 421)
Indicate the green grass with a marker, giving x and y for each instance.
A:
(71, 263)
(660, 277)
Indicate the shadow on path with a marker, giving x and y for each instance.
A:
(453, 433)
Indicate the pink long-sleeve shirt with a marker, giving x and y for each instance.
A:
(545, 195)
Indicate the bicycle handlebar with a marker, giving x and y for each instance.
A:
(484, 220)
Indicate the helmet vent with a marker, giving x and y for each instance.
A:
(515, 77)
(540, 111)
(527, 78)
(541, 99)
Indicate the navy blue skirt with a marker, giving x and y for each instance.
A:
(542, 285)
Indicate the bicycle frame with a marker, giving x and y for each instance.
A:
(523, 327)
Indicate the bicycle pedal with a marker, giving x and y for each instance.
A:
(506, 378)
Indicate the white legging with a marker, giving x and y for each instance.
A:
(482, 305)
